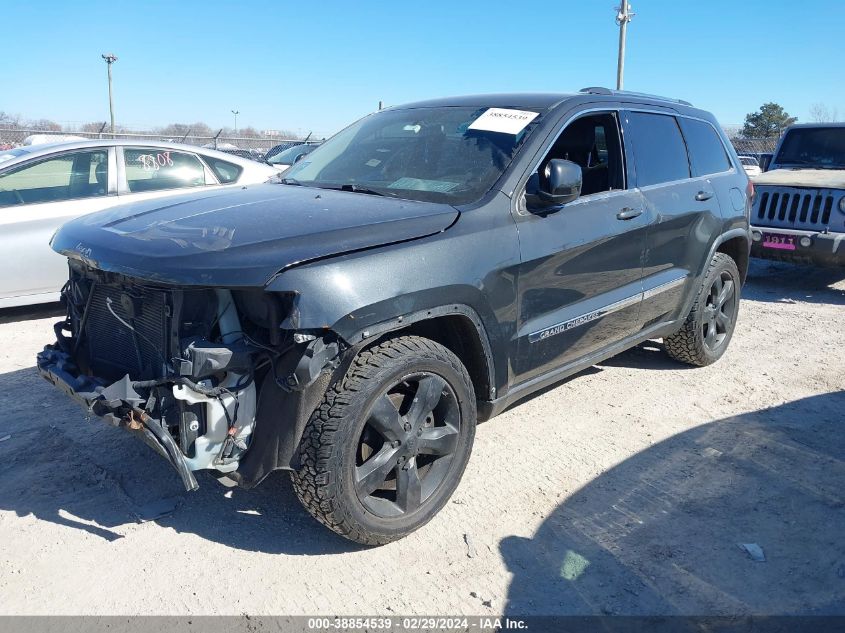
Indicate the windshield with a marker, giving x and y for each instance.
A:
(431, 154)
(747, 160)
(290, 154)
(819, 147)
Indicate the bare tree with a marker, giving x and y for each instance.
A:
(46, 125)
(822, 113)
(249, 132)
(9, 121)
(181, 129)
(93, 127)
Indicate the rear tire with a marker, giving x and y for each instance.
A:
(708, 328)
(389, 443)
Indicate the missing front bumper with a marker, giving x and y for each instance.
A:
(118, 404)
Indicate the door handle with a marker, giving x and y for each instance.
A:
(701, 196)
(628, 213)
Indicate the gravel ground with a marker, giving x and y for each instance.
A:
(626, 489)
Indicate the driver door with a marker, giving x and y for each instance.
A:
(580, 279)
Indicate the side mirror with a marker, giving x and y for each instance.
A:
(300, 157)
(560, 184)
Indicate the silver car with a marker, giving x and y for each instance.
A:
(291, 155)
(43, 186)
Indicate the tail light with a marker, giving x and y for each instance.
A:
(749, 199)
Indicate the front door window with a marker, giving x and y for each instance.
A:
(70, 176)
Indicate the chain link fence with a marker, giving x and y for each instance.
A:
(259, 147)
(759, 148)
(754, 146)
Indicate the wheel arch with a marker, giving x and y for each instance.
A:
(458, 328)
(283, 414)
(736, 243)
(737, 248)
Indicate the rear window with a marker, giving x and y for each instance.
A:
(706, 152)
(659, 151)
(225, 171)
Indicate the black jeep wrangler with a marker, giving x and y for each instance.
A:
(417, 273)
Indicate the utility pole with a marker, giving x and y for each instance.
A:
(110, 59)
(623, 16)
(236, 113)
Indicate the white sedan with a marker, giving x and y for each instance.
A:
(43, 186)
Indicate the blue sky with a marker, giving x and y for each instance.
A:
(319, 65)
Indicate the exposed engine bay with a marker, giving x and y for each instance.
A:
(184, 366)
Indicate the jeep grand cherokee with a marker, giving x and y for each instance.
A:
(419, 272)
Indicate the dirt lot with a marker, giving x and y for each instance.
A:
(626, 489)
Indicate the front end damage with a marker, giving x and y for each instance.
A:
(198, 373)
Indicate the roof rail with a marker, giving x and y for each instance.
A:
(599, 90)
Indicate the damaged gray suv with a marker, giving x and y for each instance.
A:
(417, 273)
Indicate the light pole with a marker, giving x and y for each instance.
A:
(110, 59)
(236, 113)
(623, 16)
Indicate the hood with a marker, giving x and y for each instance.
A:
(242, 237)
(810, 178)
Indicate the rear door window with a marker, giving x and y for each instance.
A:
(155, 168)
(70, 176)
(660, 154)
(706, 152)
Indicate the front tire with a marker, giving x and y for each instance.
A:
(708, 328)
(390, 441)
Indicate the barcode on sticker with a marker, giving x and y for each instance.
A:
(503, 120)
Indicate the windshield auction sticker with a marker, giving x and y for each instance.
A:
(503, 120)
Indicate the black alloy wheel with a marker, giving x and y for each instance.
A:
(407, 445)
(707, 330)
(719, 311)
(386, 448)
